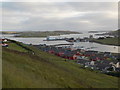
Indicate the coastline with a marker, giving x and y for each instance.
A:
(42, 34)
(108, 41)
(29, 61)
(104, 43)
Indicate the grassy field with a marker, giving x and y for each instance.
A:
(42, 70)
(13, 46)
(108, 41)
(0, 67)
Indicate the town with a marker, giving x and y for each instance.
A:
(102, 61)
(95, 60)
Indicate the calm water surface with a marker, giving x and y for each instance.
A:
(83, 45)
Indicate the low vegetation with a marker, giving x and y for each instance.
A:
(44, 34)
(108, 41)
(115, 33)
(24, 66)
(8, 32)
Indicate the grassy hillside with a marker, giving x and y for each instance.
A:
(0, 67)
(108, 41)
(23, 69)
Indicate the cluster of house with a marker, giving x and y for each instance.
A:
(105, 62)
(3, 42)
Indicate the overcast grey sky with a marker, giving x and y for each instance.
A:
(47, 16)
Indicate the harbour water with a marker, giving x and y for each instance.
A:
(80, 45)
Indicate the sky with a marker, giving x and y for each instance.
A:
(51, 16)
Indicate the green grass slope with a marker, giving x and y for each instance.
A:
(108, 41)
(43, 70)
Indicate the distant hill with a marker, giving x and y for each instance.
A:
(24, 66)
(44, 33)
(109, 41)
(8, 32)
(96, 31)
(117, 32)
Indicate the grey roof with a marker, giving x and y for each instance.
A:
(82, 61)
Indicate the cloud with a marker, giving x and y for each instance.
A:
(78, 16)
